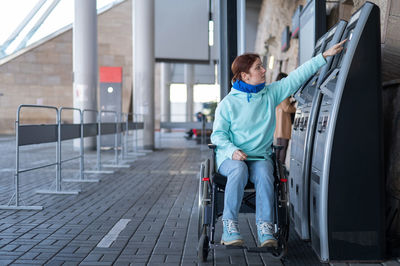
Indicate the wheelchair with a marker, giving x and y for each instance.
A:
(211, 205)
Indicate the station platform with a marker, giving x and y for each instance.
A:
(142, 215)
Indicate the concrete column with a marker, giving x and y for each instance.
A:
(165, 93)
(85, 66)
(189, 80)
(143, 66)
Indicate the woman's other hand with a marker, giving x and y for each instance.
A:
(239, 155)
(335, 49)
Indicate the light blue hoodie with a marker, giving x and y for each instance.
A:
(249, 126)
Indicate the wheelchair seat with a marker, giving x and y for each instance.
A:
(220, 181)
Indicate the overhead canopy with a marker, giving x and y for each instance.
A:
(24, 22)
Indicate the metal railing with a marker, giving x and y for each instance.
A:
(25, 135)
(73, 131)
(90, 130)
(127, 127)
(70, 130)
(50, 133)
(139, 126)
(112, 128)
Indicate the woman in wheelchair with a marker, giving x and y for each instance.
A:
(243, 133)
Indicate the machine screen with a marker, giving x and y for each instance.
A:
(348, 36)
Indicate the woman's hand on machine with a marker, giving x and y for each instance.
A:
(239, 155)
(335, 49)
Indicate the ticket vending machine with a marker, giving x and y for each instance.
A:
(347, 179)
(305, 128)
(304, 102)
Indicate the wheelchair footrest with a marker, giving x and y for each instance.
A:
(261, 250)
(249, 249)
(220, 246)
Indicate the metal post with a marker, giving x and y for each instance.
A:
(136, 133)
(16, 175)
(58, 151)
(124, 134)
(58, 165)
(189, 80)
(81, 149)
(144, 133)
(116, 139)
(82, 152)
(136, 149)
(165, 94)
(116, 164)
(159, 137)
(125, 153)
(203, 129)
(17, 206)
(98, 146)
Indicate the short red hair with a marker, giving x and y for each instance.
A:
(243, 63)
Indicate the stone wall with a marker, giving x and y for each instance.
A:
(43, 73)
(390, 34)
(276, 14)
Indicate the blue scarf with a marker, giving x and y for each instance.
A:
(244, 87)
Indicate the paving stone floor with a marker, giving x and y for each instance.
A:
(157, 194)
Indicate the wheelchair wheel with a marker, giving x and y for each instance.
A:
(203, 248)
(283, 237)
(200, 227)
(283, 218)
(204, 199)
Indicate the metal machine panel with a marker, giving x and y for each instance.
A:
(347, 183)
(306, 133)
(297, 144)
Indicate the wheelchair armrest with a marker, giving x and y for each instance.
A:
(212, 147)
(277, 147)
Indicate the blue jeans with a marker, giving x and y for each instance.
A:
(261, 174)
